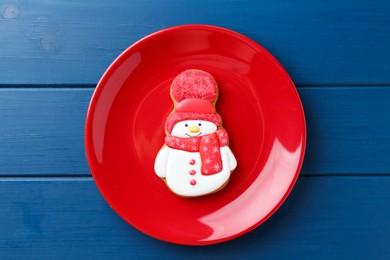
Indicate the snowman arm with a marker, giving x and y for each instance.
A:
(160, 164)
(232, 159)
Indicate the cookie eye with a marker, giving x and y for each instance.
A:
(200, 124)
(186, 125)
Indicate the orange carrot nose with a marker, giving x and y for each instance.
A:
(194, 129)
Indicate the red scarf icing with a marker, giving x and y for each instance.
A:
(207, 145)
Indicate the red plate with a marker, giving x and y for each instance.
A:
(260, 108)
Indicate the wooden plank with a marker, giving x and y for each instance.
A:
(319, 42)
(324, 218)
(42, 130)
(347, 130)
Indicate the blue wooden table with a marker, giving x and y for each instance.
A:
(52, 54)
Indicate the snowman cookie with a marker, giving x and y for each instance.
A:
(195, 159)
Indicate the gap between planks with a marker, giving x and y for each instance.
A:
(86, 177)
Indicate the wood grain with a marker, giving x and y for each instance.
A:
(319, 42)
(324, 218)
(42, 130)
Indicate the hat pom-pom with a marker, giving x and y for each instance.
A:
(194, 84)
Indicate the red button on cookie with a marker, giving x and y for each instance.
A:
(192, 161)
(192, 182)
(192, 172)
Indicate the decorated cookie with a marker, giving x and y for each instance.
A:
(195, 159)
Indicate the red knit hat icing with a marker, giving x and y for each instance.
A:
(194, 91)
(194, 84)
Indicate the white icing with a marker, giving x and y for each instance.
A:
(178, 175)
(160, 164)
(232, 159)
(183, 128)
(175, 166)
